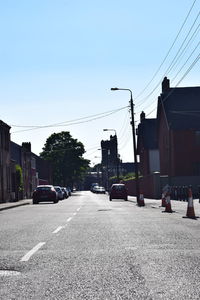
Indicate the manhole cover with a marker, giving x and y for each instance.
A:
(9, 273)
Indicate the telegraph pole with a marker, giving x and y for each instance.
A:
(134, 143)
(134, 149)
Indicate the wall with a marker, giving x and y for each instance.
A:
(163, 144)
(186, 153)
(5, 171)
(150, 186)
(154, 161)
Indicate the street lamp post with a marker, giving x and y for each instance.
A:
(117, 158)
(134, 140)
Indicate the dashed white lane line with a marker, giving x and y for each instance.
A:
(58, 229)
(28, 255)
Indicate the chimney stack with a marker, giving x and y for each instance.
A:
(142, 116)
(165, 85)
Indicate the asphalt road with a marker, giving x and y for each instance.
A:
(86, 247)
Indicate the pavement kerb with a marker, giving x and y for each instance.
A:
(9, 205)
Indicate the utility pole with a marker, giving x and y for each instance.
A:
(134, 142)
(134, 148)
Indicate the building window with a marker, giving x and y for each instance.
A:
(197, 137)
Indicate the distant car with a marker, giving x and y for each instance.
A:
(60, 193)
(69, 190)
(99, 189)
(45, 193)
(93, 185)
(118, 191)
(65, 191)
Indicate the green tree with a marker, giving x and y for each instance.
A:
(65, 155)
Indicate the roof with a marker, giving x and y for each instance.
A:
(182, 107)
(3, 124)
(147, 134)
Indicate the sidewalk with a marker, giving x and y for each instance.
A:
(9, 205)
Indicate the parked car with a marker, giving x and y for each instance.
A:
(69, 190)
(45, 193)
(65, 191)
(93, 185)
(118, 191)
(60, 193)
(99, 189)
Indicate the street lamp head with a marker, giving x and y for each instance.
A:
(109, 129)
(114, 89)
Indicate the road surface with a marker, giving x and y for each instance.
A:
(87, 247)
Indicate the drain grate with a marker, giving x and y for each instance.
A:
(9, 273)
(104, 209)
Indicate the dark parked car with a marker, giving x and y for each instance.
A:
(118, 191)
(45, 193)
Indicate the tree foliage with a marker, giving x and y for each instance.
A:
(19, 178)
(65, 155)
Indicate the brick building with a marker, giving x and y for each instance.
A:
(20, 169)
(172, 139)
(5, 167)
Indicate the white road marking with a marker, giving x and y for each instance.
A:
(57, 229)
(28, 255)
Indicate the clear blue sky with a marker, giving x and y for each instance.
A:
(59, 59)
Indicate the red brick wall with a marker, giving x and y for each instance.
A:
(144, 162)
(185, 153)
(163, 144)
(147, 186)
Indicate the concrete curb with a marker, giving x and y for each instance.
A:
(8, 205)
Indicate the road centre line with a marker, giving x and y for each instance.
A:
(57, 229)
(28, 255)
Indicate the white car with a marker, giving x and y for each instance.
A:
(99, 189)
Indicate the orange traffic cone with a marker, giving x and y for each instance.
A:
(190, 209)
(163, 200)
(168, 203)
(141, 200)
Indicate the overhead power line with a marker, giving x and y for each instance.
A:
(174, 60)
(176, 38)
(185, 74)
(72, 122)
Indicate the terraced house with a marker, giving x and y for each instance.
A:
(169, 145)
(20, 169)
(5, 180)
